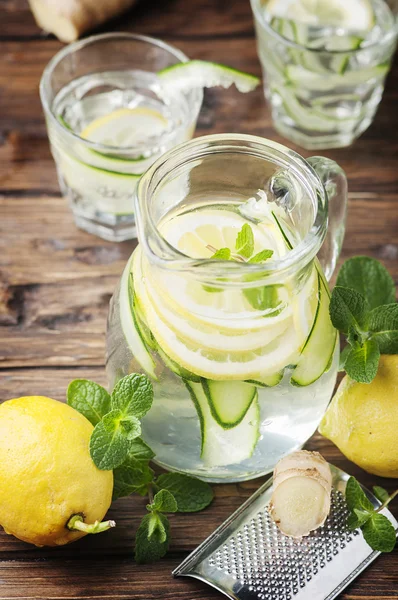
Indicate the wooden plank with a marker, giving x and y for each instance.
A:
(156, 18)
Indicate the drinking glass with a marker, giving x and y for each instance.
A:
(324, 98)
(241, 353)
(108, 120)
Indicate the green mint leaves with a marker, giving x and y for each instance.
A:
(164, 501)
(152, 538)
(369, 278)
(222, 254)
(244, 248)
(175, 493)
(244, 244)
(376, 529)
(115, 445)
(192, 495)
(89, 398)
(363, 307)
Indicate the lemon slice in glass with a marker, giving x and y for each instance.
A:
(126, 127)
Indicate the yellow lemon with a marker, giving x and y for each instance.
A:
(362, 420)
(46, 473)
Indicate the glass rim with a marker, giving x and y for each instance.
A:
(79, 44)
(192, 150)
(259, 17)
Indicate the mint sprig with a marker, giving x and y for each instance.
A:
(192, 495)
(363, 307)
(89, 398)
(115, 445)
(244, 248)
(377, 530)
(244, 244)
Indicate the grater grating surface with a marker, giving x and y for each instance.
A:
(248, 558)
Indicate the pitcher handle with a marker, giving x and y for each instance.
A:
(335, 184)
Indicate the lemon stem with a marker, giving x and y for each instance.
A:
(387, 502)
(76, 523)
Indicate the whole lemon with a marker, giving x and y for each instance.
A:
(46, 472)
(362, 420)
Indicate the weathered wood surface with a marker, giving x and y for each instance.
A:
(56, 281)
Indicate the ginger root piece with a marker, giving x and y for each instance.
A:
(300, 500)
(69, 19)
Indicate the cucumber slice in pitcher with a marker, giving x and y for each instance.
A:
(270, 381)
(229, 401)
(221, 447)
(129, 324)
(176, 368)
(319, 347)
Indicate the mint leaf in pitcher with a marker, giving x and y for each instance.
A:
(244, 245)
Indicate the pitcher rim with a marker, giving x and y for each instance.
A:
(207, 269)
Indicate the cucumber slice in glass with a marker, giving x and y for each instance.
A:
(301, 77)
(183, 77)
(109, 191)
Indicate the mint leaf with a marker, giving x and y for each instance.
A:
(379, 533)
(163, 501)
(368, 277)
(156, 526)
(348, 308)
(356, 497)
(191, 494)
(140, 450)
(222, 254)
(131, 477)
(245, 241)
(357, 518)
(262, 297)
(133, 395)
(261, 256)
(343, 357)
(383, 325)
(362, 362)
(149, 548)
(380, 493)
(111, 439)
(89, 399)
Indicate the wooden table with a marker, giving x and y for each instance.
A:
(56, 282)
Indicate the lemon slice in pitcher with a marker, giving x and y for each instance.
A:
(356, 15)
(198, 234)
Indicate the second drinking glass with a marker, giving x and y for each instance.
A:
(108, 120)
(324, 72)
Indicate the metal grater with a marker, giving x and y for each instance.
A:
(248, 558)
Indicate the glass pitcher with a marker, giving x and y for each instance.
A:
(224, 304)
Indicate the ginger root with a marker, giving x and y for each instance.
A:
(69, 19)
(300, 500)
